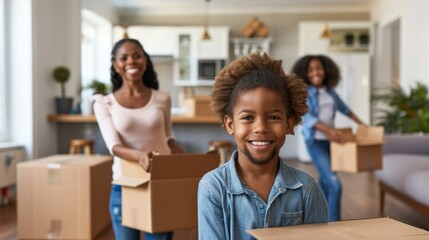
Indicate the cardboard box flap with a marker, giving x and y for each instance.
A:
(131, 181)
(67, 160)
(347, 134)
(177, 166)
(370, 135)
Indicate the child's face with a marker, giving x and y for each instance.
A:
(258, 125)
(316, 73)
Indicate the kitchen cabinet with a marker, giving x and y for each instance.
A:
(192, 49)
(216, 47)
(185, 63)
(347, 37)
(155, 40)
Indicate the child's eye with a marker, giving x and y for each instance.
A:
(274, 117)
(246, 117)
(123, 58)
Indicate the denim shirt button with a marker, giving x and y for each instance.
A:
(261, 206)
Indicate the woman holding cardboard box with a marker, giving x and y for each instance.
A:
(134, 121)
(321, 75)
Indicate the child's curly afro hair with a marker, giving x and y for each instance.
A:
(253, 71)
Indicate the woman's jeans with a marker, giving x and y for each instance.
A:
(329, 183)
(126, 233)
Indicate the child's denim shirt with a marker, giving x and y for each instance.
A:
(310, 118)
(227, 207)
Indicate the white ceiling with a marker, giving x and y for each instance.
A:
(181, 7)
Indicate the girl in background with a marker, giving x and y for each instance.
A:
(322, 75)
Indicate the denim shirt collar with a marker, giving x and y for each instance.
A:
(284, 178)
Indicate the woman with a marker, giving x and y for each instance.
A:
(134, 121)
(321, 75)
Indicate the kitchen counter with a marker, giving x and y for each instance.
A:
(192, 133)
(69, 118)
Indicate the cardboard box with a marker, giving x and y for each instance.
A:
(366, 229)
(166, 198)
(360, 152)
(198, 106)
(64, 197)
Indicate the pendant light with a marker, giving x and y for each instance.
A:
(326, 33)
(124, 25)
(125, 29)
(206, 35)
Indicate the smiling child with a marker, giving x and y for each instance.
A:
(259, 105)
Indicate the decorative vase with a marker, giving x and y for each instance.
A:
(63, 105)
(86, 103)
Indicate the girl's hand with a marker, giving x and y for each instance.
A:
(145, 159)
(334, 135)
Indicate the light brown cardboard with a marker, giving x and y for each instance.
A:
(366, 229)
(360, 152)
(64, 197)
(166, 198)
(197, 106)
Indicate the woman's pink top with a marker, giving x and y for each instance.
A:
(146, 128)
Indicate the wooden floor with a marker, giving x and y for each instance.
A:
(360, 200)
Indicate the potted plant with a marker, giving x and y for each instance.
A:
(61, 75)
(98, 87)
(349, 39)
(402, 112)
(95, 87)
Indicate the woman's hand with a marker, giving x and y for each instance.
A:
(145, 159)
(174, 147)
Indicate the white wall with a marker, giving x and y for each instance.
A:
(41, 35)
(56, 41)
(103, 8)
(414, 47)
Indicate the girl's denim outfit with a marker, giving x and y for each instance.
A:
(227, 207)
(319, 151)
(127, 233)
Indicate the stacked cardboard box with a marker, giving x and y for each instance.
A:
(166, 198)
(64, 197)
(360, 152)
(198, 106)
(255, 28)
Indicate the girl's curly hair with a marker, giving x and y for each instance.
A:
(254, 71)
(332, 72)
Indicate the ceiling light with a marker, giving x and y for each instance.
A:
(125, 29)
(326, 33)
(206, 35)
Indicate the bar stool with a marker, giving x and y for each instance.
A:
(224, 147)
(79, 145)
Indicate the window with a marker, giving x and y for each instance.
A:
(95, 48)
(3, 97)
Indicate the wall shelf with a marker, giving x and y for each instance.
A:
(243, 46)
